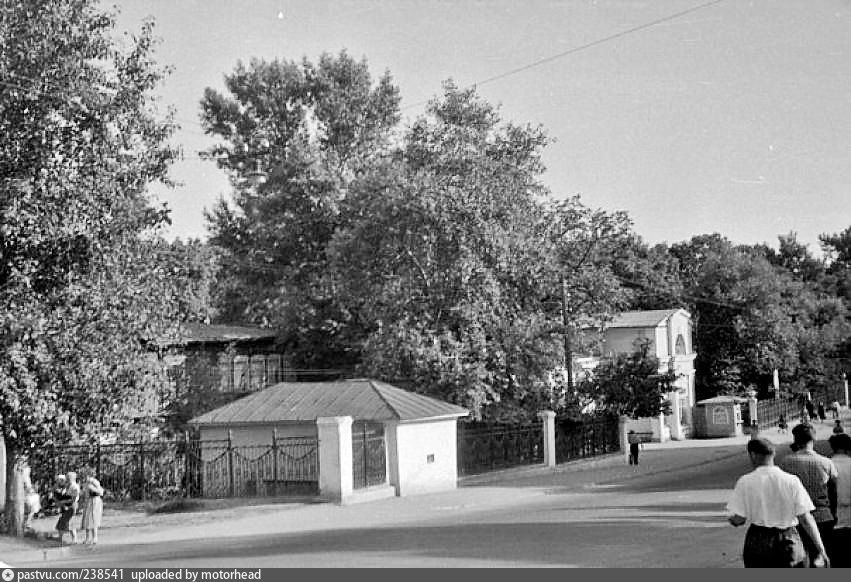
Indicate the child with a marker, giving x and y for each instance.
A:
(781, 424)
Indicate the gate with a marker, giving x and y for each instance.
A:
(583, 439)
(486, 447)
(289, 466)
(369, 455)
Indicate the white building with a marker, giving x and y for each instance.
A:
(669, 334)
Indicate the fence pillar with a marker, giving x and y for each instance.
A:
(753, 411)
(275, 475)
(335, 457)
(549, 419)
(231, 476)
(623, 441)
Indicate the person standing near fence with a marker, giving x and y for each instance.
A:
(634, 446)
(92, 496)
(776, 504)
(67, 505)
(32, 500)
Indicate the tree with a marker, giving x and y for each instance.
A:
(82, 287)
(454, 261)
(630, 384)
(794, 257)
(312, 129)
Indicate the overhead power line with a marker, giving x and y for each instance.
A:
(583, 47)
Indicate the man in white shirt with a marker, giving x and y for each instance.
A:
(774, 502)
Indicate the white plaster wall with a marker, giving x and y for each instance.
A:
(661, 342)
(413, 444)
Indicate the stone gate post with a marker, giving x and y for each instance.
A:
(549, 418)
(335, 457)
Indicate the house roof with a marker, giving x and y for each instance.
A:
(650, 318)
(361, 398)
(722, 399)
(205, 333)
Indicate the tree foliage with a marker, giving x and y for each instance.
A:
(312, 129)
(81, 271)
(630, 384)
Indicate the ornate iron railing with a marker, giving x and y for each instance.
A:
(192, 468)
(369, 455)
(582, 439)
(484, 447)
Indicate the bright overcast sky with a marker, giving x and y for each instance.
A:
(734, 118)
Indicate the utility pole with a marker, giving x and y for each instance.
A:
(568, 351)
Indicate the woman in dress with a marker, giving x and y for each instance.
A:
(92, 510)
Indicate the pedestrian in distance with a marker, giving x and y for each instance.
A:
(819, 476)
(92, 504)
(835, 409)
(775, 504)
(837, 427)
(822, 415)
(841, 543)
(782, 425)
(634, 446)
(811, 410)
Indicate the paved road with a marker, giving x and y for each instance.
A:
(666, 513)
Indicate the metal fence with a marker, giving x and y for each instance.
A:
(582, 439)
(191, 468)
(369, 455)
(768, 412)
(287, 466)
(486, 447)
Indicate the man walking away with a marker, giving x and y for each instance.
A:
(774, 502)
(841, 445)
(819, 475)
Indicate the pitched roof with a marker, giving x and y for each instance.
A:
(203, 333)
(650, 318)
(361, 398)
(722, 399)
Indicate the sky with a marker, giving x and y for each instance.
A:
(733, 118)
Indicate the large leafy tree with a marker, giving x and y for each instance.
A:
(79, 269)
(758, 310)
(454, 259)
(311, 130)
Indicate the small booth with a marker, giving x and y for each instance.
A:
(719, 417)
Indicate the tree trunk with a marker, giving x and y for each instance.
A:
(14, 510)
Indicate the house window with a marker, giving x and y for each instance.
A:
(680, 346)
